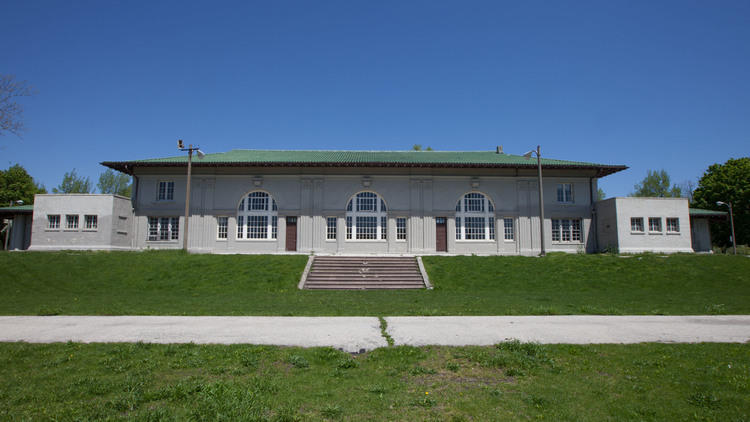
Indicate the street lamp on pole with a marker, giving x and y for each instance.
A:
(731, 220)
(541, 193)
(200, 153)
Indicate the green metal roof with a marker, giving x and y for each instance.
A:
(319, 158)
(18, 209)
(698, 212)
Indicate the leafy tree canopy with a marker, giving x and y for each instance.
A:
(418, 147)
(114, 182)
(600, 195)
(656, 184)
(728, 182)
(16, 184)
(72, 183)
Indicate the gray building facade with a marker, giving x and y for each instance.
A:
(359, 202)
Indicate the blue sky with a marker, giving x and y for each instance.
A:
(647, 84)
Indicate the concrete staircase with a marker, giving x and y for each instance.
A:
(364, 273)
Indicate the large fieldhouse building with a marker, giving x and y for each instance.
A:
(360, 202)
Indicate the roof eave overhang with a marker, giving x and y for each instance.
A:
(128, 166)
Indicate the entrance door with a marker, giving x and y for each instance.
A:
(291, 234)
(441, 234)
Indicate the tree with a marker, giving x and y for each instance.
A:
(11, 112)
(418, 147)
(16, 184)
(656, 184)
(114, 183)
(600, 195)
(72, 183)
(728, 182)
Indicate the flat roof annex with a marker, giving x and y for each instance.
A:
(320, 158)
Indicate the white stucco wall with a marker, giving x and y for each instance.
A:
(113, 230)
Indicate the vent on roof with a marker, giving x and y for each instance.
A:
(499, 150)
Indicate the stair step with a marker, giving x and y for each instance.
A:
(364, 273)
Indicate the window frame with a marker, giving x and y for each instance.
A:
(95, 226)
(222, 222)
(483, 211)
(661, 227)
(643, 226)
(512, 229)
(677, 221)
(58, 222)
(566, 199)
(332, 229)
(76, 219)
(402, 233)
(162, 235)
(356, 218)
(168, 195)
(245, 215)
(566, 230)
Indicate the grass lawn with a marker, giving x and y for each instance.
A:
(173, 283)
(511, 381)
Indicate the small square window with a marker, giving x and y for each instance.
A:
(654, 224)
(636, 224)
(673, 225)
(53, 222)
(71, 222)
(91, 222)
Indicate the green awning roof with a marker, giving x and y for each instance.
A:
(19, 209)
(436, 159)
(698, 212)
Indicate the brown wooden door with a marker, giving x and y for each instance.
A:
(441, 234)
(291, 234)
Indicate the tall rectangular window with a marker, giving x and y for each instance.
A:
(71, 222)
(508, 226)
(458, 228)
(240, 226)
(401, 228)
(673, 225)
(636, 224)
(654, 224)
(90, 222)
(565, 192)
(53, 222)
(383, 228)
(166, 191)
(348, 228)
(566, 230)
(330, 228)
(222, 224)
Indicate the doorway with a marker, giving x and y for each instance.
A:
(291, 234)
(441, 234)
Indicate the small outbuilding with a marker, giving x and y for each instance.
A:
(81, 221)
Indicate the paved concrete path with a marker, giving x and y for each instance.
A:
(575, 329)
(353, 334)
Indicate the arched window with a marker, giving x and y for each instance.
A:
(366, 217)
(257, 217)
(475, 217)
